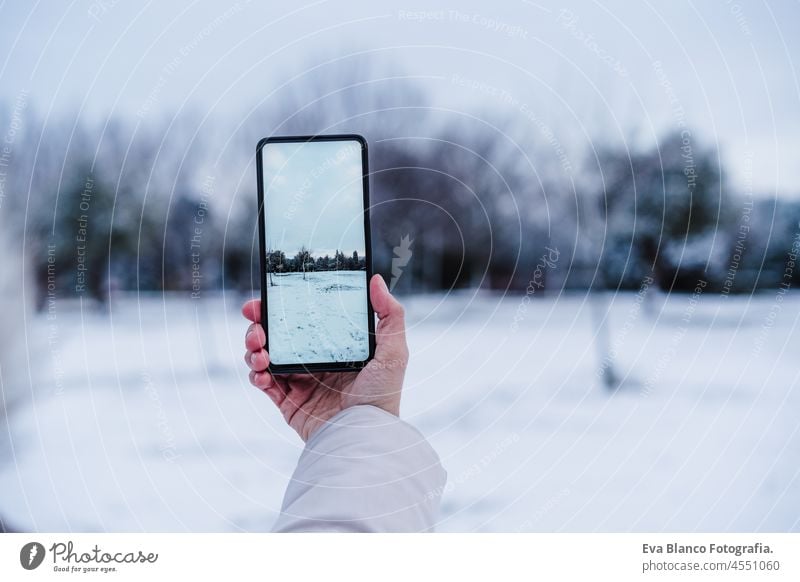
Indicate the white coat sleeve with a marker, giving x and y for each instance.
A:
(365, 470)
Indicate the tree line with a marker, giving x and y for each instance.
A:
(304, 262)
(155, 207)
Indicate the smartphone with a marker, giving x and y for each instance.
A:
(316, 260)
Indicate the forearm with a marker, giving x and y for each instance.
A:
(364, 471)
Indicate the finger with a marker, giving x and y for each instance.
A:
(391, 332)
(389, 310)
(252, 310)
(258, 360)
(255, 338)
(261, 380)
(266, 383)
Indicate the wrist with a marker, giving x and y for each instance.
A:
(316, 423)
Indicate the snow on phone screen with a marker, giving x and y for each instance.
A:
(316, 278)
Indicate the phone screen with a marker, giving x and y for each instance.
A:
(315, 238)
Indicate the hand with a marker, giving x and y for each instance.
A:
(307, 401)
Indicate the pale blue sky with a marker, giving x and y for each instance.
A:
(313, 196)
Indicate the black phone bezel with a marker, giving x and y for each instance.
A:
(318, 366)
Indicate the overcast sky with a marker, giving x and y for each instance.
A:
(599, 71)
(313, 197)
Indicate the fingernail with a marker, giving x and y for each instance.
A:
(253, 358)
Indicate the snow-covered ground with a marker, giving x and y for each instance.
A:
(319, 318)
(144, 420)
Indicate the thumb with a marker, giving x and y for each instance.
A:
(391, 332)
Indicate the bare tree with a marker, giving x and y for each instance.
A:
(270, 265)
(302, 258)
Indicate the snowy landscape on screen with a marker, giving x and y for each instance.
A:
(318, 317)
(144, 420)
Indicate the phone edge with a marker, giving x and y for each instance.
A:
(280, 369)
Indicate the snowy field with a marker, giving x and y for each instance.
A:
(144, 420)
(318, 319)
